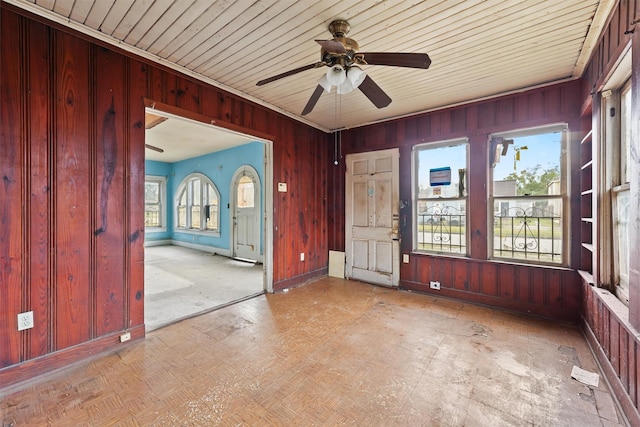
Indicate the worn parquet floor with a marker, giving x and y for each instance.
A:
(332, 352)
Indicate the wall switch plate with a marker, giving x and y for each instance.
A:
(301, 256)
(405, 258)
(125, 337)
(434, 285)
(25, 320)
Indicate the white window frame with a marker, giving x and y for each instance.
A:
(563, 259)
(184, 186)
(162, 208)
(460, 215)
(614, 185)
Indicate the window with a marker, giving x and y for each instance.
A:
(197, 206)
(154, 197)
(440, 194)
(616, 170)
(528, 188)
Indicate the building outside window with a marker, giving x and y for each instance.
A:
(197, 206)
(440, 195)
(528, 191)
(154, 201)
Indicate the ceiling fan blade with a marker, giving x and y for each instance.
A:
(375, 94)
(332, 46)
(154, 148)
(290, 73)
(313, 100)
(411, 60)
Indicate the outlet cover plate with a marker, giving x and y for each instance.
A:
(25, 320)
(434, 285)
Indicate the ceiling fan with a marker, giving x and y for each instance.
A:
(342, 57)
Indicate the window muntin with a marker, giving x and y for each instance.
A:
(440, 186)
(528, 189)
(195, 192)
(154, 196)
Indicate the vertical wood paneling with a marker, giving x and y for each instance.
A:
(188, 95)
(109, 187)
(12, 169)
(134, 123)
(39, 188)
(538, 290)
(71, 186)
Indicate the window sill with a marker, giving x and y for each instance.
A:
(149, 230)
(197, 232)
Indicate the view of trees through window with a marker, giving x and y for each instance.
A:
(527, 191)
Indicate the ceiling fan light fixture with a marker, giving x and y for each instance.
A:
(356, 76)
(345, 87)
(325, 83)
(336, 75)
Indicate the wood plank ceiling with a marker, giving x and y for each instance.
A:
(478, 48)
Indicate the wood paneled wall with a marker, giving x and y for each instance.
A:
(549, 292)
(610, 327)
(71, 197)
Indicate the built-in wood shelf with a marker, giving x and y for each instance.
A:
(586, 276)
(588, 246)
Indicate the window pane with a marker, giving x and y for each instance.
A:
(441, 204)
(195, 192)
(625, 136)
(527, 197)
(529, 166)
(211, 208)
(621, 231)
(182, 210)
(152, 192)
(442, 226)
(245, 193)
(151, 215)
(528, 228)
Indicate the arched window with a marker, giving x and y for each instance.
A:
(197, 204)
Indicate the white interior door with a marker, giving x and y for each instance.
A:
(246, 214)
(372, 239)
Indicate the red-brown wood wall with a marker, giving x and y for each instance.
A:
(610, 327)
(71, 197)
(549, 292)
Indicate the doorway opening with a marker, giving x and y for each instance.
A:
(195, 173)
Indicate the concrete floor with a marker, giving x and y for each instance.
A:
(182, 282)
(331, 352)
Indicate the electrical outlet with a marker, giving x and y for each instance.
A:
(125, 337)
(434, 285)
(405, 258)
(25, 320)
(301, 256)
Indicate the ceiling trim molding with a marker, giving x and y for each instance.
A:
(66, 22)
(598, 23)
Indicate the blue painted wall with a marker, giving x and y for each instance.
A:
(220, 168)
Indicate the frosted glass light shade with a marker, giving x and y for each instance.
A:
(356, 76)
(325, 83)
(336, 75)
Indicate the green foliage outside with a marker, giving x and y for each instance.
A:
(534, 181)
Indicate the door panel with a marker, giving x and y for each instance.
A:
(372, 217)
(246, 214)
